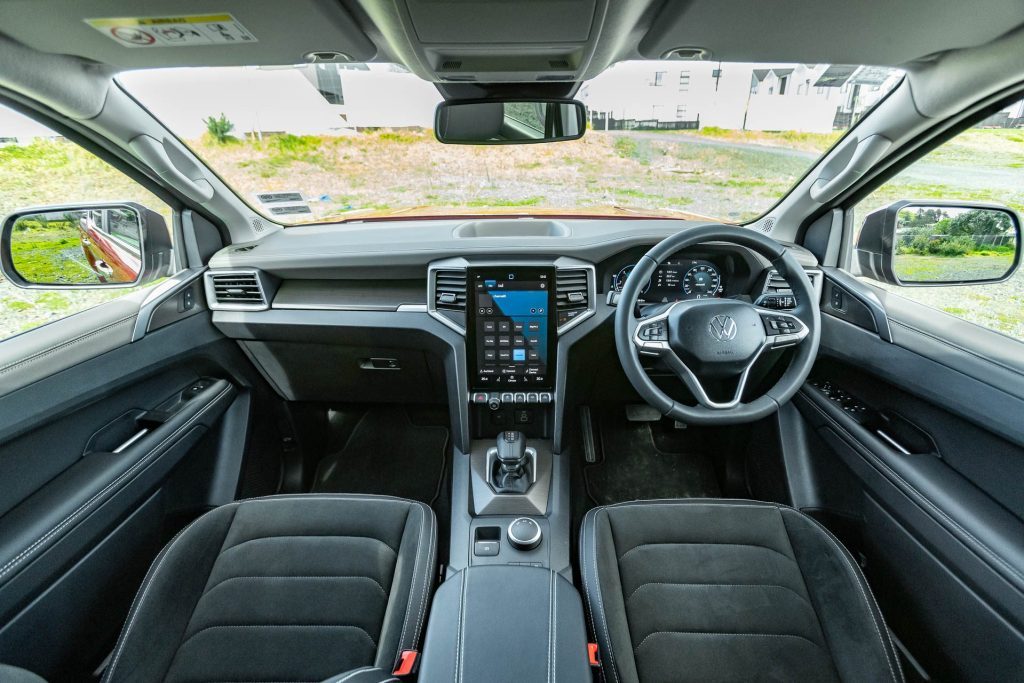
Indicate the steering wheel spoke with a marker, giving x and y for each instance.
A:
(697, 388)
(651, 335)
(782, 329)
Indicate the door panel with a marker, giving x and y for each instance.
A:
(91, 458)
(928, 432)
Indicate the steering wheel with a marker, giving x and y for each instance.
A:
(717, 340)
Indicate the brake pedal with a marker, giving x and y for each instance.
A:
(641, 412)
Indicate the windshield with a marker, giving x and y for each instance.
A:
(332, 142)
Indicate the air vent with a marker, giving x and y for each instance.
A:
(572, 294)
(558, 63)
(236, 290)
(778, 294)
(450, 290)
(776, 284)
(451, 65)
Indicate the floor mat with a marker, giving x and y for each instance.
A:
(644, 460)
(387, 454)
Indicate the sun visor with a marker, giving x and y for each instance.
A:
(168, 33)
(879, 32)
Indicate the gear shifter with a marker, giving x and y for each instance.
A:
(512, 465)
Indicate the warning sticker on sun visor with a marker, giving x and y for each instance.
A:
(181, 31)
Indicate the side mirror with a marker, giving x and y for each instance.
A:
(920, 243)
(118, 244)
(509, 122)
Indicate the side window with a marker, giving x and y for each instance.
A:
(39, 167)
(984, 164)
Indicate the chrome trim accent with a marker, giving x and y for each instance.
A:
(401, 308)
(662, 350)
(568, 263)
(138, 435)
(446, 264)
(528, 542)
(160, 294)
(211, 297)
(892, 442)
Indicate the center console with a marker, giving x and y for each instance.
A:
(506, 624)
(510, 537)
(510, 497)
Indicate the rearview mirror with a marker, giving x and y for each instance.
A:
(919, 243)
(92, 246)
(509, 122)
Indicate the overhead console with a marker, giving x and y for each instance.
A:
(513, 41)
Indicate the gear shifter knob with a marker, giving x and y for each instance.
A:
(511, 448)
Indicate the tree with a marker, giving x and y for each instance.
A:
(219, 128)
(979, 222)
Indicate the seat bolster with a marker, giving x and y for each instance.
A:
(166, 599)
(411, 589)
(602, 590)
(851, 621)
(366, 674)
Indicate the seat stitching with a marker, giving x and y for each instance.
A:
(860, 581)
(600, 600)
(256, 626)
(147, 459)
(148, 581)
(276, 536)
(726, 634)
(551, 629)
(586, 589)
(554, 629)
(922, 498)
(691, 502)
(725, 585)
(739, 545)
(412, 588)
(427, 571)
(309, 577)
(140, 598)
(349, 675)
(461, 631)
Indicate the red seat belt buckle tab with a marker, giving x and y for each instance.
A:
(406, 663)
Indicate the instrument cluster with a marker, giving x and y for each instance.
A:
(677, 279)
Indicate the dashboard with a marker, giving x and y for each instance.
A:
(498, 319)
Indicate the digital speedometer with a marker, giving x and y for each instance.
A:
(619, 281)
(702, 280)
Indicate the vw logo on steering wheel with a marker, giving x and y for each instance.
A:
(722, 328)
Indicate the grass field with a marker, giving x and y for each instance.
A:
(729, 175)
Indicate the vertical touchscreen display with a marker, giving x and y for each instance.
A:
(511, 326)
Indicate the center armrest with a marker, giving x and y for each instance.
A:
(506, 623)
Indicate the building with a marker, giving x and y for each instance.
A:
(803, 97)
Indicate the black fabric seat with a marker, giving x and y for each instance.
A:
(285, 588)
(727, 590)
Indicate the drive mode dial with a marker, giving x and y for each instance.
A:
(524, 534)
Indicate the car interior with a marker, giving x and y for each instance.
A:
(518, 444)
